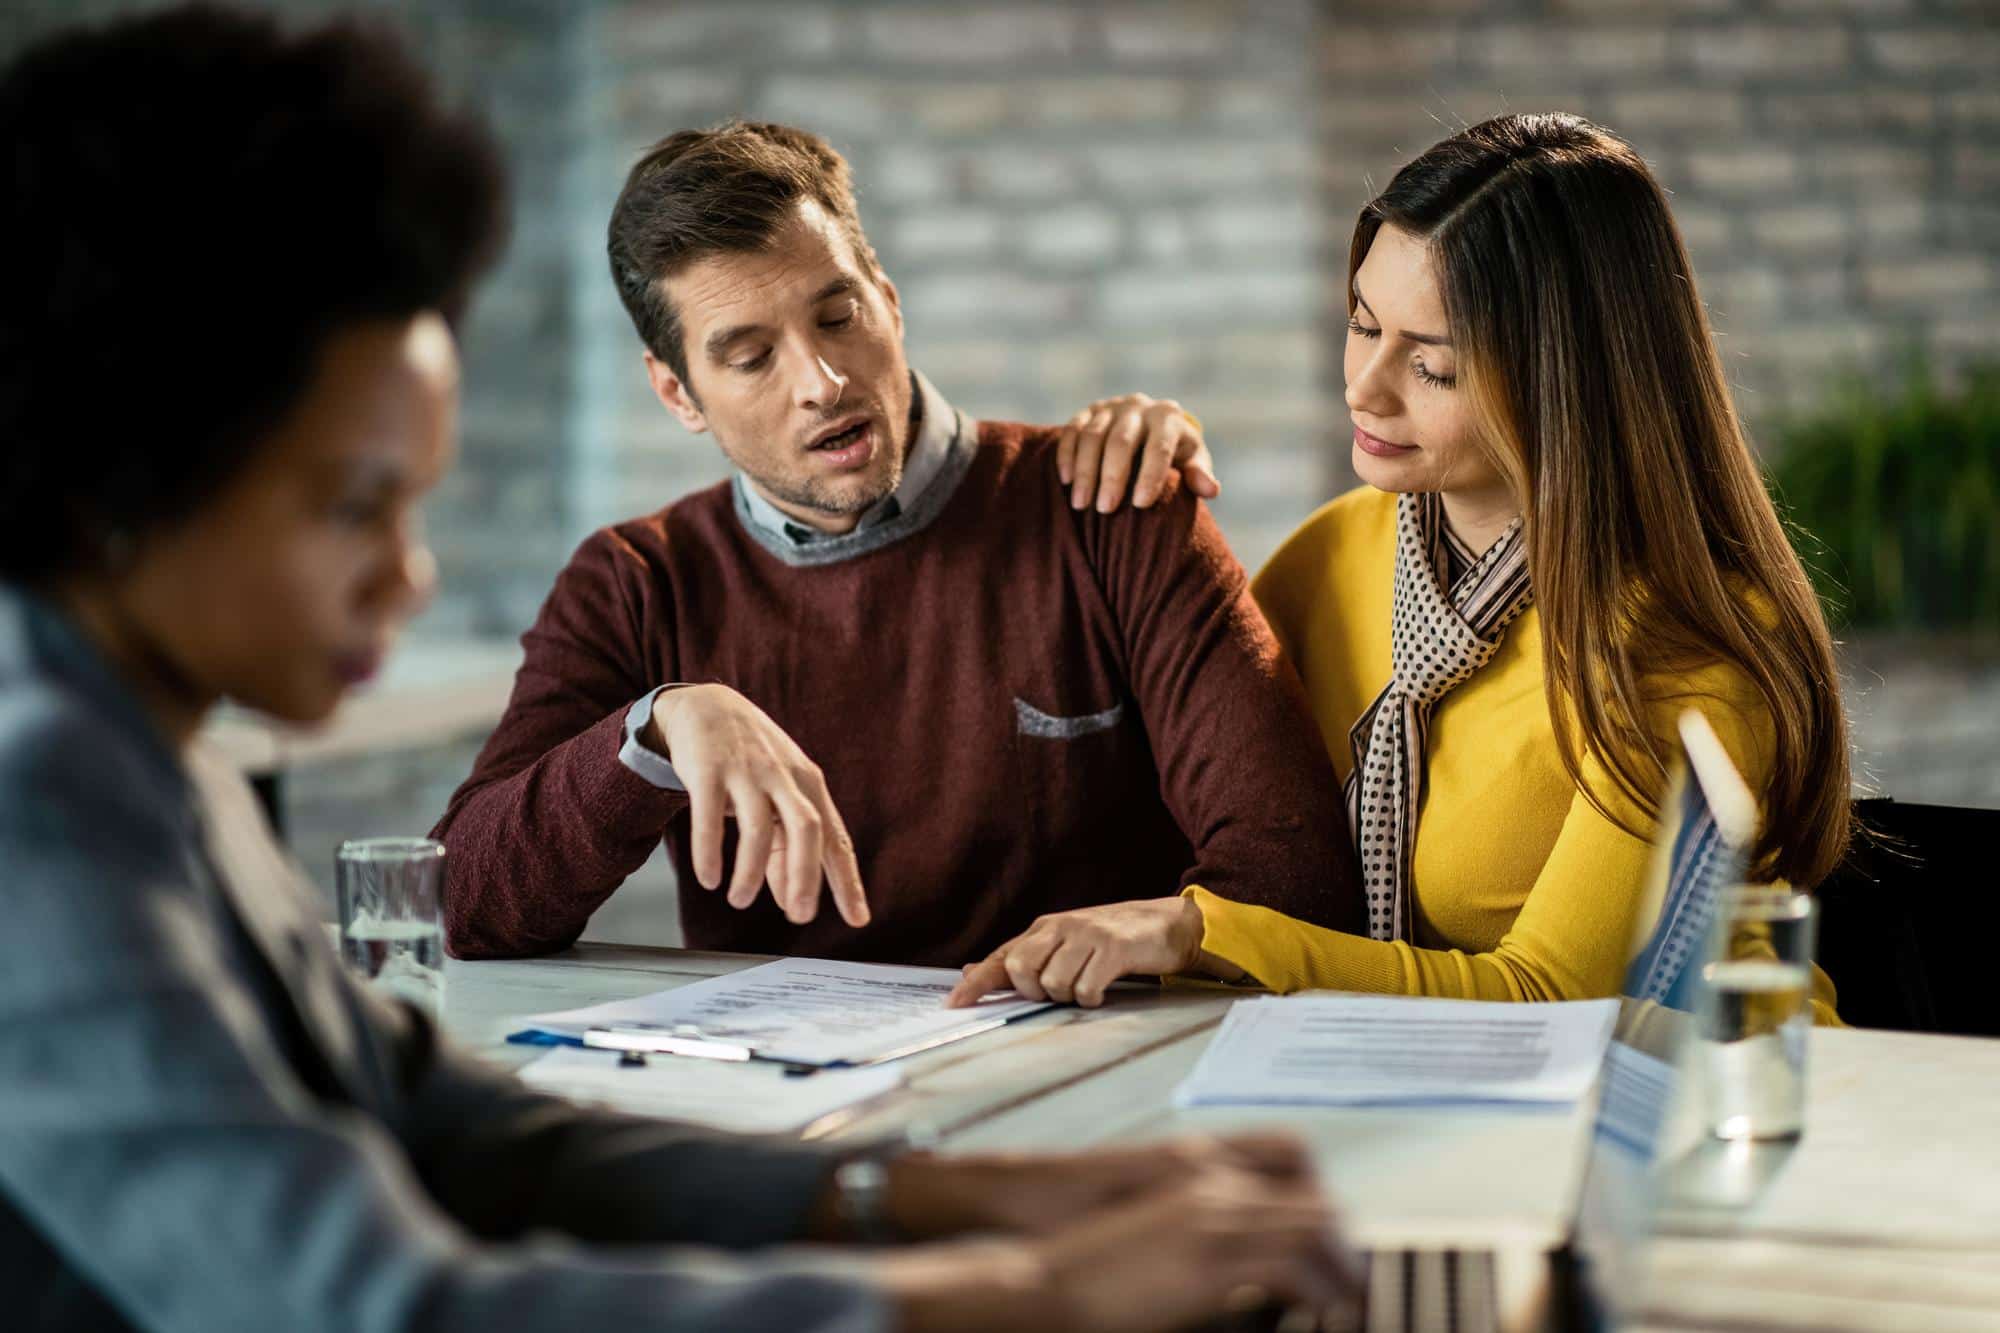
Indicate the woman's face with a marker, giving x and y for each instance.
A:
(287, 588)
(1413, 430)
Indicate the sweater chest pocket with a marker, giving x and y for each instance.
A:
(1080, 770)
(1032, 721)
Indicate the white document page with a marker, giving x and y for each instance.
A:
(1346, 1050)
(808, 1011)
(1639, 1089)
(749, 1098)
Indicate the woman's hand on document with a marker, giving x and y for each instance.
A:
(1133, 438)
(1075, 956)
(736, 762)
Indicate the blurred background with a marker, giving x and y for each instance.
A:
(1083, 199)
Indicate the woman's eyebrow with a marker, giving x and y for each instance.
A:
(365, 474)
(1427, 339)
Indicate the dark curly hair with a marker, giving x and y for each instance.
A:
(190, 204)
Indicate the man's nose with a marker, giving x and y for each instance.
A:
(819, 385)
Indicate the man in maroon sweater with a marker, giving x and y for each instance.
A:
(890, 622)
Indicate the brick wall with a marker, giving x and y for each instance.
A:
(500, 521)
(1074, 200)
(1078, 199)
(1832, 162)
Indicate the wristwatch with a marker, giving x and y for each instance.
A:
(861, 1198)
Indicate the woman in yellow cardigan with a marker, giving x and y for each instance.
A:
(1564, 541)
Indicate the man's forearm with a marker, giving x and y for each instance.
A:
(535, 851)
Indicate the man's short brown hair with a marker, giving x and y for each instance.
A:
(726, 190)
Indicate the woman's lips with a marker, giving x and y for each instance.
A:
(1369, 444)
(357, 668)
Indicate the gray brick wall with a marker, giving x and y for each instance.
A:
(501, 520)
(1074, 199)
(1079, 199)
(1831, 161)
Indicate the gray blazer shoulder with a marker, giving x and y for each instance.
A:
(207, 1125)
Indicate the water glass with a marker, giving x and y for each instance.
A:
(391, 893)
(1757, 1016)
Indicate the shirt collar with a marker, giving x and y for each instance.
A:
(930, 443)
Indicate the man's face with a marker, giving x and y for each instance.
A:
(795, 362)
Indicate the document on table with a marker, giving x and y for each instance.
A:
(1349, 1050)
(1638, 1093)
(749, 1098)
(805, 1011)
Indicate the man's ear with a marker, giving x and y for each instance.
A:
(674, 394)
(895, 301)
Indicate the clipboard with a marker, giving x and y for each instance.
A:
(789, 1012)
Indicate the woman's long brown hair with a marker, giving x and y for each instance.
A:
(1653, 546)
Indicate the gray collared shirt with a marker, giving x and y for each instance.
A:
(930, 446)
(940, 450)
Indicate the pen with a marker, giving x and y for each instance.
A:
(682, 1040)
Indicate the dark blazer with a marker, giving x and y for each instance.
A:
(207, 1125)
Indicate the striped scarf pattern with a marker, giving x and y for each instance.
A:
(1451, 610)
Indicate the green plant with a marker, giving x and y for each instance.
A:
(1894, 500)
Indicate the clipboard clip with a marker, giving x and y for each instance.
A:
(644, 1039)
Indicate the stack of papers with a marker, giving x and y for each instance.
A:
(1358, 1050)
(748, 1098)
(802, 1011)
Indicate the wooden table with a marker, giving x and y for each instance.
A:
(1887, 1215)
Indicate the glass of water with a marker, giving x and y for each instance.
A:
(391, 894)
(1757, 1016)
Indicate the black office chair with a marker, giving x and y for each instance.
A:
(1910, 920)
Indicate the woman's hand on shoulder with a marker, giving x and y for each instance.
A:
(1134, 438)
(1073, 957)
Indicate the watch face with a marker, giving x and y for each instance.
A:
(862, 1186)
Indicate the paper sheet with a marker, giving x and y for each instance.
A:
(747, 1098)
(1639, 1090)
(1334, 1050)
(808, 1011)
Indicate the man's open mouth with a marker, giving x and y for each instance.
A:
(840, 439)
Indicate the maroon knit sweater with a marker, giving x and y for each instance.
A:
(903, 672)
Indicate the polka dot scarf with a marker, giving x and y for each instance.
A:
(1438, 639)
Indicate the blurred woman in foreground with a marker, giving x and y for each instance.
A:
(1564, 541)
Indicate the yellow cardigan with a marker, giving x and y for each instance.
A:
(1522, 890)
